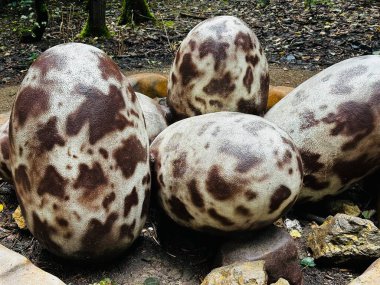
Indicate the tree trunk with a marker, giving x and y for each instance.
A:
(42, 17)
(135, 11)
(96, 22)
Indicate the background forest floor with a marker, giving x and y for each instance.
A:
(292, 35)
(297, 42)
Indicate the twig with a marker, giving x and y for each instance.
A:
(167, 36)
(183, 14)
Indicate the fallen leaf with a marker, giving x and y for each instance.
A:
(295, 234)
(19, 219)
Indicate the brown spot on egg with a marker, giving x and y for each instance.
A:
(252, 59)
(253, 128)
(287, 158)
(216, 103)
(5, 149)
(250, 195)
(90, 178)
(352, 119)
(243, 41)
(188, 69)
(205, 127)
(146, 179)
(263, 93)
(348, 170)
(310, 161)
(312, 182)
(49, 136)
(108, 67)
(179, 165)
(97, 232)
(200, 100)
(279, 196)
(104, 153)
(220, 218)
(222, 86)
(246, 157)
(247, 106)
(195, 195)
(52, 183)
(30, 102)
(248, 79)
(145, 205)
(127, 230)
(42, 231)
(219, 187)
(130, 200)
(192, 45)
(62, 222)
(216, 48)
(49, 61)
(108, 200)
(307, 119)
(242, 211)
(216, 131)
(101, 111)
(178, 208)
(194, 109)
(129, 155)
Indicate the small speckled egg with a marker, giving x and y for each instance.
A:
(225, 171)
(154, 114)
(79, 154)
(220, 66)
(334, 120)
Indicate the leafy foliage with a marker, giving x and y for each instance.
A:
(307, 262)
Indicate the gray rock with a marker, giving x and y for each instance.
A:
(272, 244)
(16, 269)
(343, 238)
(243, 273)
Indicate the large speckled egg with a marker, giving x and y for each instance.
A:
(220, 66)
(79, 154)
(225, 171)
(334, 119)
(154, 115)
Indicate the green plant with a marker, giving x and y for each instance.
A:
(368, 214)
(307, 262)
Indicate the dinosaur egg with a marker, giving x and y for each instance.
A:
(5, 172)
(225, 171)
(334, 120)
(154, 114)
(79, 154)
(220, 66)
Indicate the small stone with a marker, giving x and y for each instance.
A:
(281, 281)
(370, 277)
(16, 269)
(342, 206)
(272, 244)
(344, 238)
(241, 273)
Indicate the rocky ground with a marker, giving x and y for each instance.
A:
(298, 42)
